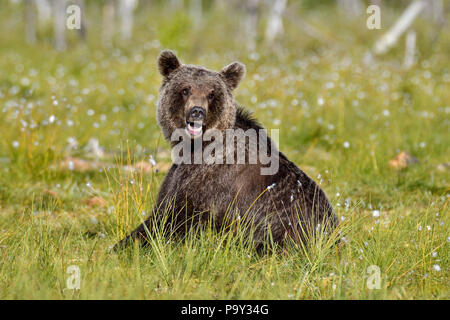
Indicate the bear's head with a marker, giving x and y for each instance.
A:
(195, 99)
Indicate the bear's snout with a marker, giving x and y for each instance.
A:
(197, 114)
(195, 120)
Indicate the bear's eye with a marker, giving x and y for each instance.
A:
(185, 92)
(211, 96)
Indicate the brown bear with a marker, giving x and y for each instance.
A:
(279, 204)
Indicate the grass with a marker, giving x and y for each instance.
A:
(340, 120)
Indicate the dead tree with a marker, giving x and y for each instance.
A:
(82, 30)
(251, 23)
(275, 22)
(196, 12)
(44, 10)
(108, 22)
(48, 10)
(126, 14)
(410, 49)
(435, 11)
(30, 21)
(59, 24)
(390, 38)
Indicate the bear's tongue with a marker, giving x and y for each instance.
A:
(194, 128)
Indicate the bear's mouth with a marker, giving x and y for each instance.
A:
(194, 128)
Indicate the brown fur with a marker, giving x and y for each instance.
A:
(290, 209)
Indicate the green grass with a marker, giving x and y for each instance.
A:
(321, 96)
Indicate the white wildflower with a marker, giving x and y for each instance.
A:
(271, 186)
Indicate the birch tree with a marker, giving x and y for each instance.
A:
(410, 49)
(196, 12)
(30, 22)
(275, 22)
(435, 11)
(126, 12)
(82, 30)
(390, 38)
(251, 23)
(44, 11)
(59, 23)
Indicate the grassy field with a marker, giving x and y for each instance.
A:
(63, 203)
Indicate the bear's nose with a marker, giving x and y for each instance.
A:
(197, 113)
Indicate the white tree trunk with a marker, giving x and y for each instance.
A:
(390, 38)
(275, 23)
(196, 12)
(251, 23)
(126, 10)
(44, 11)
(30, 22)
(82, 30)
(410, 50)
(108, 22)
(436, 11)
(59, 25)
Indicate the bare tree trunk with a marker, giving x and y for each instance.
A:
(30, 22)
(390, 38)
(196, 11)
(410, 50)
(108, 22)
(82, 30)
(59, 26)
(438, 11)
(126, 10)
(275, 23)
(44, 11)
(434, 10)
(251, 23)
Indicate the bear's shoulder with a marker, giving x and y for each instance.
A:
(245, 119)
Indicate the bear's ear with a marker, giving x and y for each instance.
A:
(167, 62)
(233, 74)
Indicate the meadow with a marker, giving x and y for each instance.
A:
(82, 158)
